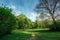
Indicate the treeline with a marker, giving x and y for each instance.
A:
(26, 23)
(9, 22)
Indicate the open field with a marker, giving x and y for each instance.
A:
(27, 35)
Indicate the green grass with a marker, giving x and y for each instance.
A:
(26, 35)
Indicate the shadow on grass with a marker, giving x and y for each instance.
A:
(40, 35)
(16, 36)
(44, 31)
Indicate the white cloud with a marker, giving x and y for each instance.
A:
(15, 11)
(33, 16)
(12, 6)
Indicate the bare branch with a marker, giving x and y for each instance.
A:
(54, 5)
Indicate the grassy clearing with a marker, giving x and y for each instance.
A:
(17, 35)
(26, 35)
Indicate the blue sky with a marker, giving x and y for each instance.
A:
(22, 6)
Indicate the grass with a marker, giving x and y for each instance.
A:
(26, 35)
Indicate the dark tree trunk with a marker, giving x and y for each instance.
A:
(54, 22)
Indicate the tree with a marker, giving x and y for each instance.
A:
(21, 19)
(7, 21)
(24, 22)
(51, 7)
(36, 22)
(42, 16)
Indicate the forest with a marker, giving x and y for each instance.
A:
(46, 26)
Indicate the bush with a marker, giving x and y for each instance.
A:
(7, 21)
(57, 26)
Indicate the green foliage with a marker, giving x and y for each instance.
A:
(7, 21)
(58, 25)
(51, 26)
(48, 9)
(40, 24)
(24, 22)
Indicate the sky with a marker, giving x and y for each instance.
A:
(22, 6)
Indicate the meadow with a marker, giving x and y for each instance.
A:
(26, 34)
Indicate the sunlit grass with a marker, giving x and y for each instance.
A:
(27, 35)
(37, 29)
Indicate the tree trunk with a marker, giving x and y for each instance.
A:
(54, 22)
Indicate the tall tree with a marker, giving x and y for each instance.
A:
(51, 7)
(21, 19)
(7, 21)
(24, 22)
(42, 17)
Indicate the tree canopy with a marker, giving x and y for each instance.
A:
(49, 7)
(7, 21)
